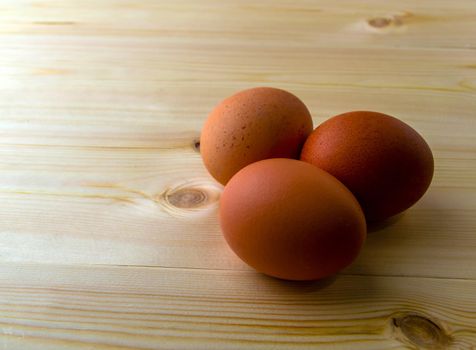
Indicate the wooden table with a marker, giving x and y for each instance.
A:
(108, 230)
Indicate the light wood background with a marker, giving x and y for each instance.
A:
(108, 230)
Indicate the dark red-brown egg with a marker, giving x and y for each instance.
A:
(252, 125)
(386, 164)
(291, 220)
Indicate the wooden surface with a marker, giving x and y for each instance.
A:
(108, 230)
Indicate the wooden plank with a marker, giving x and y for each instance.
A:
(65, 91)
(147, 69)
(65, 307)
(286, 23)
(177, 226)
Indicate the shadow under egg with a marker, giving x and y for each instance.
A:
(302, 286)
(376, 226)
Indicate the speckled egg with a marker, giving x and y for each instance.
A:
(386, 164)
(252, 125)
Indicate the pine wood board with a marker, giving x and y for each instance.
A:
(107, 307)
(108, 230)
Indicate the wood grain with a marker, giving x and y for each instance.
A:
(108, 230)
(101, 171)
(149, 308)
(282, 23)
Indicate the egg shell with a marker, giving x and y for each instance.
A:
(291, 220)
(252, 125)
(386, 164)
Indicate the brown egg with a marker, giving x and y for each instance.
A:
(386, 164)
(291, 220)
(252, 125)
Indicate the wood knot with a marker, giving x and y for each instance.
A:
(196, 145)
(379, 22)
(390, 23)
(187, 198)
(420, 331)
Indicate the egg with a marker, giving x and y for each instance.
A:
(253, 125)
(386, 164)
(289, 219)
